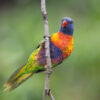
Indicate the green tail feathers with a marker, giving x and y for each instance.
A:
(17, 78)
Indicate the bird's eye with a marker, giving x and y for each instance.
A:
(71, 22)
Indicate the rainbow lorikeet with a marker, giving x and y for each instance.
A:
(61, 46)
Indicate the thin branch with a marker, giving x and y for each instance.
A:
(51, 96)
(47, 53)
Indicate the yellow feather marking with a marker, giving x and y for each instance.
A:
(33, 57)
(34, 54)
(54, 37)
(23, 77)
(20, 72)
(31, 67)
(69, 48)
(9, 85)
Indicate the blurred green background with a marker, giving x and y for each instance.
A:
(22, 29)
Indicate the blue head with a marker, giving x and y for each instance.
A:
(67, 26)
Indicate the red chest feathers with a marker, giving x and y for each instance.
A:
(64, 42)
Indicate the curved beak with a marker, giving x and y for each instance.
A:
(64, 23)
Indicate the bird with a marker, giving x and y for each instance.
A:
(61, 46)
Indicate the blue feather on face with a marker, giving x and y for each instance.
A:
(67, 26)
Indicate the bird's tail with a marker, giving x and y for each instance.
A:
(17, 78)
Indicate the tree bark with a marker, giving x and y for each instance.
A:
(47, 53)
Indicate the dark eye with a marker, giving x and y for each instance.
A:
(71, 22)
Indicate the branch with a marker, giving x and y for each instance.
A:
(47, 53)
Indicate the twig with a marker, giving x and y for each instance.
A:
(47, 53)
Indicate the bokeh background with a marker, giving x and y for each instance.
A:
(22, 29)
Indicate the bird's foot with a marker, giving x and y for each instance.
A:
(46, 36)
(47, 91)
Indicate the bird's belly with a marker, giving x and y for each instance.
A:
(55, 53)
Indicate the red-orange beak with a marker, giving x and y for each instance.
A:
(64, 24)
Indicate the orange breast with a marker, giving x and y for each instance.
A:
(64, 42)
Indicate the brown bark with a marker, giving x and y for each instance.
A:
(47, 53)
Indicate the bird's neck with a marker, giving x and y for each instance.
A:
(68, 30)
